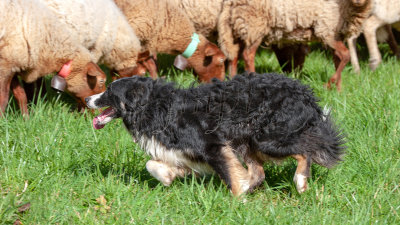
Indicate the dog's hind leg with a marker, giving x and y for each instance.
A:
(225, 163)
(255, 170)
(302, 172)
(164, 172)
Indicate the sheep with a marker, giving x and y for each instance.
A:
(205, 14)
(246, 23)
(163, 28)
(103, 29)
(34, 44)
(384, 12)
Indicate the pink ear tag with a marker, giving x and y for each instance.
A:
(58, 81)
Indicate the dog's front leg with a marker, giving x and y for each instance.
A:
(164, 172)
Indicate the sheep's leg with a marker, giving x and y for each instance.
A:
(233, 67)
(20, 95)
(255, 170)
(392, 41)
(234, 62)
(302, 172)
(151, 66)
(370, 26)
(164, 172)
(249, 54)
(352, 41)
(299, 56)
(5, 82)
(291, 57)
(341, 58)
(35, 90)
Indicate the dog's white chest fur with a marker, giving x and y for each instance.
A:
(172, 157)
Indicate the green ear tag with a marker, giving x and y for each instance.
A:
(191, 48)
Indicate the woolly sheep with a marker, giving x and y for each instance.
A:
(384, 12)
(163, 28)
(34, 44)
(246, 23)
(103, 29)
(205, 14)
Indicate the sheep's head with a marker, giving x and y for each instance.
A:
(208, 62)
(85, 80)
(140, 68)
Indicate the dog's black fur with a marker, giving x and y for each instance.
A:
(269, 113)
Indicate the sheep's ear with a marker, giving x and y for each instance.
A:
(94, 70)
(210, 50)
(181, 62)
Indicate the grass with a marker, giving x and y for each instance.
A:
(61, 166)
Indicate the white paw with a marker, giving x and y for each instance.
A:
(301, 182)
(161, 172)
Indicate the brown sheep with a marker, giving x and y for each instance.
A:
(205, 14)
(33, 44)
(245, 24)
(163, 28)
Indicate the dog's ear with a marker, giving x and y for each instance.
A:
(139, 92)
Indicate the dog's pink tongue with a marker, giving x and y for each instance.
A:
(98, 119)
(96, 125)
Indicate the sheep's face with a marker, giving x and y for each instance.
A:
(208, 62)
(359, 3)
(139, 69)
(86, 81)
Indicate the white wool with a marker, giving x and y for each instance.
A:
(383, 12)
(101, 28)
(387, 10)
(286, 21)
(30, 40)
(203, 14)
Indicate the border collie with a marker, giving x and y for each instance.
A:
(218, 127)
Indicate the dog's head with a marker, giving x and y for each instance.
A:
(122, 97)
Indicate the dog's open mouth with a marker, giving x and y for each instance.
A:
(106, 116)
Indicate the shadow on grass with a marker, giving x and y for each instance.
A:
(277, 177)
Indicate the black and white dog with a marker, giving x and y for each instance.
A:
(215, 127)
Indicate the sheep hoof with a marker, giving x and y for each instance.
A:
(374, 63)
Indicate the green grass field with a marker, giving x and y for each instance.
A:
(73, 174)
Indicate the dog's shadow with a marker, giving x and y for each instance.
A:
(277, 177)
(280, 177)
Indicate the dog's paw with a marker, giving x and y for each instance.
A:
(301, 183)
(161, 172)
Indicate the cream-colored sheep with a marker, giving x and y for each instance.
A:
(163, 28)
(384, 12)
(203, 14)
(33, 43)
(246, 23)
(102, 28)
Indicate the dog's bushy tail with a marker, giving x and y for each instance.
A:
(324, 142)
